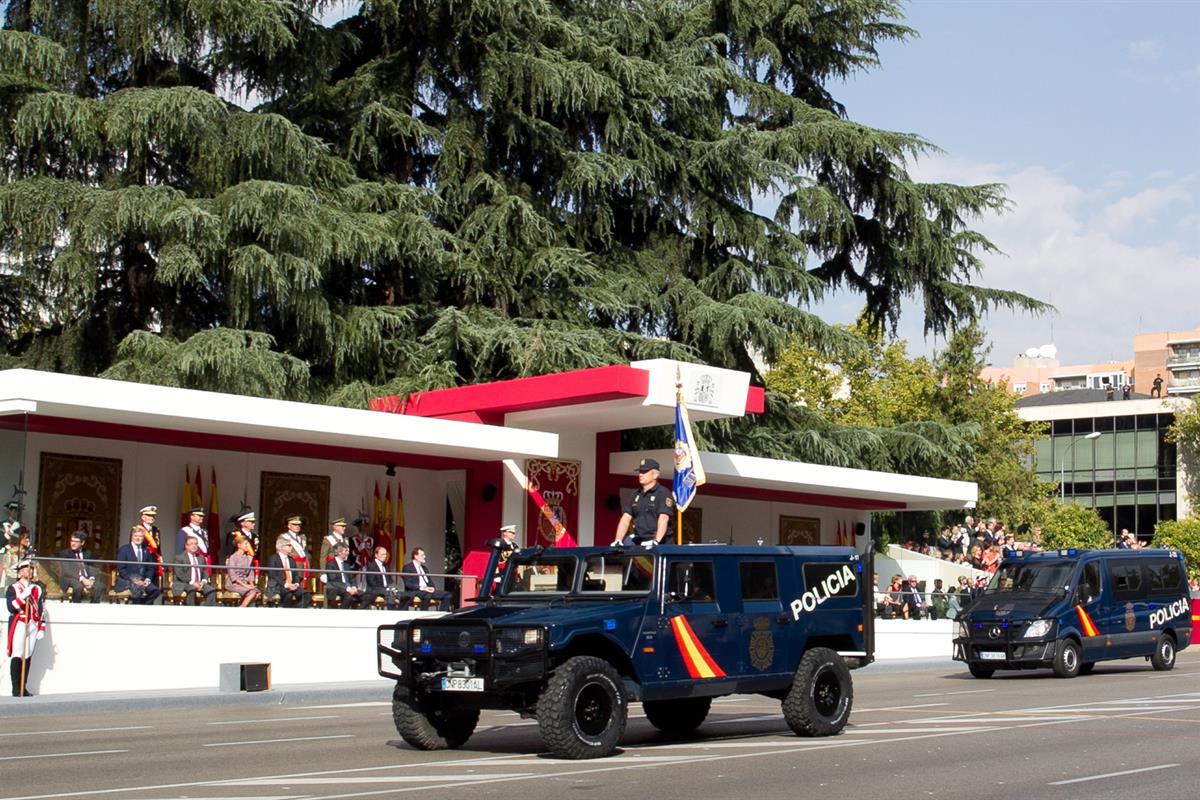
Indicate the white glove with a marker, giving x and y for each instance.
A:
(40, 635)
(649, 543)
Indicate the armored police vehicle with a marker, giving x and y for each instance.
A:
(1069, 609)
(571, 636)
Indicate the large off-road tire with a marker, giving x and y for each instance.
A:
(1068, 659)
(980, 671)
(677, 717)
(1163, 657)
(818, 704)
(431, 723)
(582, 710)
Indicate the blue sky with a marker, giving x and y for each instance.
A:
(1090, 113)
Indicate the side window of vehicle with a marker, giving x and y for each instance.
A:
(1127, 580)
(692, 581)
(1165, 576)
(759, 581)
(838, 580)
(1089, 584)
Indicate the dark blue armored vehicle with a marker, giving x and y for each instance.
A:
(571, 636)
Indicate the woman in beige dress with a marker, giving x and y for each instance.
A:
(240, 577)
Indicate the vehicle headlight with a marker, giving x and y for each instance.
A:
(533, 636)
(964, 630)
(416, 635)
(515, 640)
(1038, 628)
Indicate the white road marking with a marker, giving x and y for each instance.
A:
(908, 730)
(366, 779)
(367, 704)
(759, 718)
(965, 691)
(81, 730)
(63, 755)
(899, 708)
(269, 719)
(1112, 774)
(274, 741)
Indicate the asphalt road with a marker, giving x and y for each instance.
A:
(930, 732)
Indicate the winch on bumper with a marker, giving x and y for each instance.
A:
(1006, 644)
(471, 657)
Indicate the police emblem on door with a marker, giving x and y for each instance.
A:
(762, 645)
(1130, 617)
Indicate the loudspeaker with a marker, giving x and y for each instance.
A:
(860, 528)
(489, 492)
(256, 677)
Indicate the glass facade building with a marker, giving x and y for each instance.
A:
(1119, 464)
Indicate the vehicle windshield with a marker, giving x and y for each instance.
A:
(543, 573)
(627, 573)
(1020, 578)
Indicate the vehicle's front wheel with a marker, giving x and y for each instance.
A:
(1067, 661)
(1163, 658)
(429, 724)
(582, 710)
(980, 671)
(818, 704)
(677, 717)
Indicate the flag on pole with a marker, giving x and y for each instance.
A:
(214, 520)
(383, 537)
(376, 514)
(689, 473)
(185, 497)
(198, 497)
(398, 524)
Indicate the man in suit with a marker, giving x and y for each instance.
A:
(283, 577)
(77, 573)
(380, 584)
(190, 577)
(341, 591)
(913, 598)
(195, 529)
(138, 570)
(418, 584)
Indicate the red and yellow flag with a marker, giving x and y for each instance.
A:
(214, 508)
(398, 525)
(696, 658)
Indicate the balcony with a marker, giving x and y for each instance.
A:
(1189, 385)
(1184, 358)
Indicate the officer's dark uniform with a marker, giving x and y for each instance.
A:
(645, 507)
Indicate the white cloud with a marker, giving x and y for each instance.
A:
(1145, 50)
(1141, 206)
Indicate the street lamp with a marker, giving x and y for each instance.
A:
(1062, 465)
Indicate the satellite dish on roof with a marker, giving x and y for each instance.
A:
(1047, 351)
(1031, 352)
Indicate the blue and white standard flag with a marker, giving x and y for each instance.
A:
(689, 474)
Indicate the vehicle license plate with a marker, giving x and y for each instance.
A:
(988, 655)
(462, 684)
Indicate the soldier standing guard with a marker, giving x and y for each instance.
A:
(194, 530)
(336, 536)
(648, 511)
(26, 603)
(507, 545)
(151, 533)
(246, 523)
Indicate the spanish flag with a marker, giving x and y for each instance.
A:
(696, 658)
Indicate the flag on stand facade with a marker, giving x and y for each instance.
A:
(401, 544)
(689, 472)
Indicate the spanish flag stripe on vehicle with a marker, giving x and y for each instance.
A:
(697, 659)
(1089, 627)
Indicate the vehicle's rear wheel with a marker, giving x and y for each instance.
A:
(582, 710)
(980, 671)
(431, 724)
(818, 704)
(677, 717)
(1067, 659)
(1163, 658)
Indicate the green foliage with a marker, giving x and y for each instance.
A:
(1182, 535)
(1075, 526)
(435, 193)
(1184, 433)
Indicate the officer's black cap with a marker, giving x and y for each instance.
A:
(647, 464)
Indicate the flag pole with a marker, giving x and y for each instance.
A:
(678, 510)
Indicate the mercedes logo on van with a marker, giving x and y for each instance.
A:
(994, 632)
(464, 639)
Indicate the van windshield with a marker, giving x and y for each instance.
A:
(1023, 578)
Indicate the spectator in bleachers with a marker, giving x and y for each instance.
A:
(341, 589)
(283, 577)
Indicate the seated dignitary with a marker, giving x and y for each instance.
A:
(418, 584)
(341, 590)
(77, 574)
(283, 578)
(241, 577)
(380, 584)
(137, 571)
(190, 576)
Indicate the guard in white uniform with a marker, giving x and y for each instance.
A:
(26, 603)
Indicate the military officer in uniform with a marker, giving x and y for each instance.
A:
(648, 511)
(194, 530)
(335, 537)
(26, 602)
(246, 523)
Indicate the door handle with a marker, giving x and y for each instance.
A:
(720, 623)
(782, 619)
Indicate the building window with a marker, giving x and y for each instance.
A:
(1019, 388)
(1044, 388)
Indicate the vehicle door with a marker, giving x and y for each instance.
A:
(1088, 610)
(1125, 608)
(694, 631)
(766, 646)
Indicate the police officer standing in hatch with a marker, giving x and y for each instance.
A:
(649, 510)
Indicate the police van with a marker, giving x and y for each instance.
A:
(1069, 609)
(572, 635)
